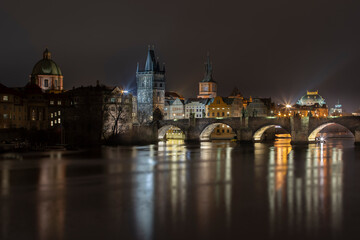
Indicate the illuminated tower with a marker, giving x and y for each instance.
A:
(150, 87)
(208, 86)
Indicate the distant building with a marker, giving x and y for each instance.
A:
(260, 107)
(337, 110)
(311, 98)
(311, 104)
(171, 95)
(195, 107)
(47, 74)
(208, 86)
(13, 108)
(150, 87)
(174, 109)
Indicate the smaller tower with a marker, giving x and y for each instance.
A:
(208, 86)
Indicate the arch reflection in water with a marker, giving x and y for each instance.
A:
(314, 184)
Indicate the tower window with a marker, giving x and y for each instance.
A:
(5, 98)
(46, 83)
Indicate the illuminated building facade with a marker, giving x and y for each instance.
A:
(174, 109)
(196, 107)
(312, 105)
(337, 110)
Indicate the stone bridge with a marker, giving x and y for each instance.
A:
(302, 130)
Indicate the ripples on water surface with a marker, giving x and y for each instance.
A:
(210, 190)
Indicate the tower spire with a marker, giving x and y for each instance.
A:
(150, 64)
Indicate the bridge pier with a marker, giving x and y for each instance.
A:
(245, 135)
(299, 130)
(191, 135)
(357, 137)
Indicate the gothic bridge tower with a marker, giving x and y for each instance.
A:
(150, 86)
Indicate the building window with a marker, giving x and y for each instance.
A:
(59, 113)
(51, 123)
(59, 120)
(55, 122)
(218, 114)
(112, 100)
(55, 114)
(46, 83)
(51, 102)
(33, 115)
(223, 114)
(5, 98)
(160, 84)
(56, 83)
(51, 115)
(5, 116)
(58, 102)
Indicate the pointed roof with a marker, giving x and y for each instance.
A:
(208, 71)
(150, 64)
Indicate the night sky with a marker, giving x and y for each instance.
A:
(275, 49)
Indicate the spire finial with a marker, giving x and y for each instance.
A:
(46, 54)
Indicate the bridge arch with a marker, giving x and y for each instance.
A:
(258, 135)
(163, 130)
(205, 134)
(318, 129)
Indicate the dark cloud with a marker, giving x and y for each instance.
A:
(266, 48)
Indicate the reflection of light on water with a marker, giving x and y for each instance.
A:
(51, 210)
(143, 205)
(305, 198)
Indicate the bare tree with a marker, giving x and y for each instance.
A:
(117, 115)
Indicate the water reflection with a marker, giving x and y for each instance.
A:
(208, 190)
(305, 195)
(51, 198)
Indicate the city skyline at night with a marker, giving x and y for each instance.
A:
(267, 49)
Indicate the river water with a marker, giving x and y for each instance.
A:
(172, 190)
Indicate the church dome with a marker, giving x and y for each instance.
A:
(46, 66)
(311, 98)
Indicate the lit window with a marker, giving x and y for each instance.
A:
(51, 115)
(51, 123)
(59, 120)
(59, 113)
(51, 102)
(5, 116)
(55, 114)
(59, 102)
(55, 122)
(5, 98)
